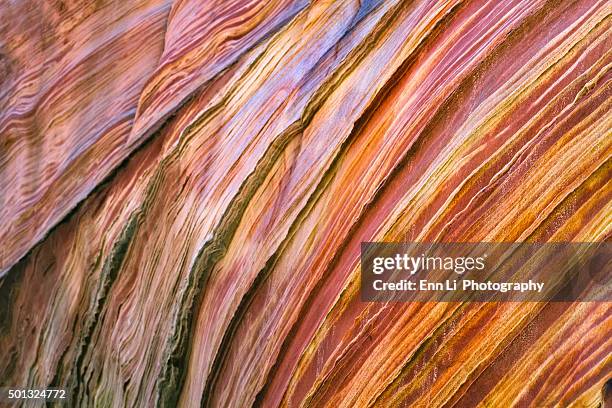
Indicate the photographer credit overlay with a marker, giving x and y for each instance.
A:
(497, 272)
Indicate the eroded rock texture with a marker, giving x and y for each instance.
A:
(184, 186)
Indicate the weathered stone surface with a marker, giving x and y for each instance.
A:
(226, 160)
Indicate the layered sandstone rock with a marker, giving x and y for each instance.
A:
(226, 160)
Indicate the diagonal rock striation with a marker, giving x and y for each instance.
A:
(185, 185)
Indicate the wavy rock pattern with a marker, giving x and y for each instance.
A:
(226, 159)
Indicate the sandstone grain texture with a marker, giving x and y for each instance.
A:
(184, 187)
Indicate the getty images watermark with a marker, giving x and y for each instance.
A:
(506, 272)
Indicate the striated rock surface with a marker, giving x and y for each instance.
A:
(184, 187)
(71, 77)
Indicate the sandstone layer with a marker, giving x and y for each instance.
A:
(184, 187)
